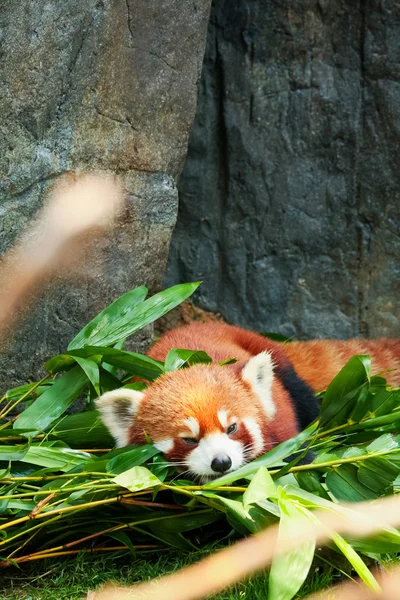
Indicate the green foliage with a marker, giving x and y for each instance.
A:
(62, 489)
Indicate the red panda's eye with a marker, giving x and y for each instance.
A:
(232, 428)
(190, 441)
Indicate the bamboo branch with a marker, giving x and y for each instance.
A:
(40, 556)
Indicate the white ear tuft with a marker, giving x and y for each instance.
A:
(118, 410)
(259, 373)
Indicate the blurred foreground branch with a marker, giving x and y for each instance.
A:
(237, 562)
(77, 207)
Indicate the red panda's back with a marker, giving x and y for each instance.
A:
(318, 361)
(216, 339)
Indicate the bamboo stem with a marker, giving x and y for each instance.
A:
(338, 461)
(61, 490)
(29, 557)
(7, 541)
(60, 511)
(50, 477)
(4, 412)
(23, 544)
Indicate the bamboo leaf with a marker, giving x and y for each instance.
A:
(390, 421)
(83, 428)
(18, 392)
(388, 540)
(132, 457)
(261, 487)
(343, 483)
(61, 362)
(227, 361)
(118, 346)
(383, 443)
(132, 362)
(53, 402)
(239, 516)
(62, 459)
(122, 537)
(121, 319)
(177, 358)
(119, 311)
(175, 540)
(356, 561)
(23, 505)
(8, 453)
(362, 406)
(108, 381)
(311, 482)
(91, 368)
(384, 402)
(137, 478)
(289, 570)
(377, 474)
(342, 393)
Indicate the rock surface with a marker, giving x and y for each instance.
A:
(290, 194)
(104, 84)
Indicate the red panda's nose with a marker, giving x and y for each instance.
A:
(221, 463)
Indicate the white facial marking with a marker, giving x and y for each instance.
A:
(192, 424)
(223, 417)
(164, 445)
(259, 372)
(255, 431)
(200, 459)
(118, 410)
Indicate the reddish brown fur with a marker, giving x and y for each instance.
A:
(220, 341)
(201, 392)
(317, 362)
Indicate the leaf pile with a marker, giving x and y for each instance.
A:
(64, 490)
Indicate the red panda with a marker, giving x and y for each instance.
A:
(209, 419)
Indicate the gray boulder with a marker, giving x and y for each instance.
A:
(96, 85)
(290, 194)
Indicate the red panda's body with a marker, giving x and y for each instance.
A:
(211, 419)
(316, 361)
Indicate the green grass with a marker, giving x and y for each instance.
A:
(71, 579)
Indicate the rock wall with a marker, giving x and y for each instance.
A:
(100, 84)
(290, 194)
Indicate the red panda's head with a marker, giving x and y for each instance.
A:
(208, 419)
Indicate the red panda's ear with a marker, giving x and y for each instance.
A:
(259, 373)
(118, 410)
